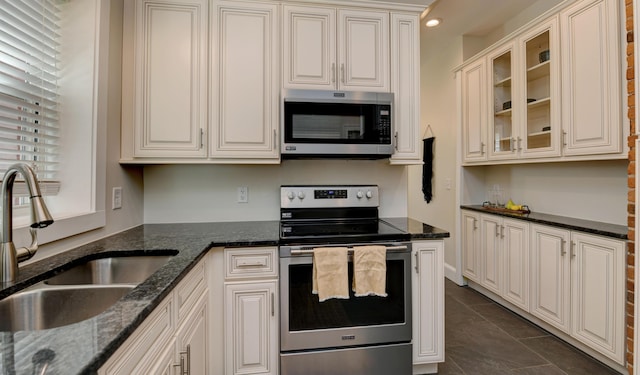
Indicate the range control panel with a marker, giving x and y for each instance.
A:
(308, 196)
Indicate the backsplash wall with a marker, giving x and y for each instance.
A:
(200, 193)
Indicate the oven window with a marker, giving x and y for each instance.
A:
(331, 123)
(306, 313)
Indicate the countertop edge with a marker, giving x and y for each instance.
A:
(588, 226)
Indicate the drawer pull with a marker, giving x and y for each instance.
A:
(251, 262)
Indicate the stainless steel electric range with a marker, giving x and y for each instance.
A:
(359, 335)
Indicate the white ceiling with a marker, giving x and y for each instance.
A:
(470, 17)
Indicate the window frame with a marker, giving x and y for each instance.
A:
(95, 12)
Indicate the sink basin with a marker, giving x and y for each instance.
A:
(114, 270)
(42, 307)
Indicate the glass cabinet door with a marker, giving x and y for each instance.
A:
(502, 126)
(541, 124)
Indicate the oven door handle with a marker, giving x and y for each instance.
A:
(350, 249)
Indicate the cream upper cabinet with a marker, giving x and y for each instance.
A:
(503, 122)
(405, 85)
(245, 84)
(165, 79)
(591, 78)
(540, 92)
(335, 49)
(524, 95)
(474, 111)
(553, 91)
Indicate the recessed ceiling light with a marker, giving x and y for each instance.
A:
(433, 22)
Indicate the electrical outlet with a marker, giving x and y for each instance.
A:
(447, 183)
(243, 194)
(116, 198)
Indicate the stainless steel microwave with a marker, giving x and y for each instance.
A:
(346, 124)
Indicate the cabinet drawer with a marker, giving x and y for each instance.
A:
(190, 289)
(251, 262)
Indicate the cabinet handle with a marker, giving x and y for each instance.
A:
(395, 141)
(564, 137)
(342, 72)
(417, 267)
(512, 142)
(563, 250)
(519, 144)
(497, 231)
(185, 366)
(201, 138)
(475, 224)
(502, 231)
(333, 73)
(482, 146)
(573, 249)
(275, 140)
(273, 304)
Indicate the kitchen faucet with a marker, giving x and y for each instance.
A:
(40, 218)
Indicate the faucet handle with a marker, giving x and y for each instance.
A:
(25, 253)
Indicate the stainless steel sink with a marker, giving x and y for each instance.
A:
(41, 307)
(78, 293)
(114, 270)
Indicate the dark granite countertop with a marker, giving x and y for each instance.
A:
(588, 226)
(416, 229)
(83, 347)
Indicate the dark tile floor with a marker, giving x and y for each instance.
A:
(482, 337)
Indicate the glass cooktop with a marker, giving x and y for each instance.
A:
(339, 231)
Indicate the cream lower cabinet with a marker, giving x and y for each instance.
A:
(251, 314)
(504, 258)
(174, 336)
(245, 84)
(550, 275)
(427, 305)
(572, 281)
(578, 286)
(471, 245)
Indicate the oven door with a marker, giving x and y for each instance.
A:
(307, 324)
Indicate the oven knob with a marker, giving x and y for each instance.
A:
(359, 194)
(291, 195)
(301, 195)
(369, 194)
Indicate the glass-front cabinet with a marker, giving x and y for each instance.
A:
(502, 123)
(541, 92)
(524, 93)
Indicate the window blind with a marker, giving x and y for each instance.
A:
(29, 69)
